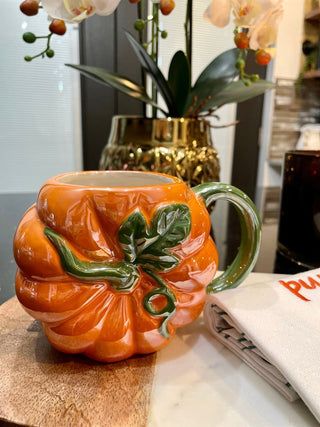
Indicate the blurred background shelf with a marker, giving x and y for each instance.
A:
(313, 15)
(313, 74)
(277, 163)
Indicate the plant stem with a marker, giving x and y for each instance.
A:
(143, 73)
(188, 33)
(155, 50)
(48, 37)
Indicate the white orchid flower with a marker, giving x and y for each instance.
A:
(264, 33)
(244, 11)
(218, 12)
(78, 10)
(261, 17)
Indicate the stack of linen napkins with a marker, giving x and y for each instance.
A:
(275, 328)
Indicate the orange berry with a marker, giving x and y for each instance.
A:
(167, 6)
(29, 7)
(58, 27)
(263, 57)
(241, 40)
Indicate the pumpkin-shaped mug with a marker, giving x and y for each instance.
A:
(112, 263)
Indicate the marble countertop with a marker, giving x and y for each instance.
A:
(198, 382)
(193, 382)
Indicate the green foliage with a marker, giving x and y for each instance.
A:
(215, 87)
(213, 79)
(115, 81)
(223, 66)
(238, 92)
(179, 81)
(148, 64)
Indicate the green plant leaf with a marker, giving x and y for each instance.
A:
(115, 81)
(223, 66)
(153, 70)
(170, 226)
(213, 79)
(132, 235)
(238, 92)
(179, 81)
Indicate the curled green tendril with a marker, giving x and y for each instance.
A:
(168, 310)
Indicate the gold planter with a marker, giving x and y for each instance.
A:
(180, 147)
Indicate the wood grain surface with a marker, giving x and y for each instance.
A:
(42, 387)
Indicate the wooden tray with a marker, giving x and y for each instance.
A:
(42, 387)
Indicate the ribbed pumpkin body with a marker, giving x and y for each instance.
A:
(93, 317)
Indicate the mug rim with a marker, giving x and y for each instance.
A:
(165, 180)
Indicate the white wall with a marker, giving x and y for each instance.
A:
(289, 42)
(286, 65)
(40, 128)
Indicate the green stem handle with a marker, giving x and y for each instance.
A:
(250, 233)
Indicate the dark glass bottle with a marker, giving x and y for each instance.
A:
(299, 229)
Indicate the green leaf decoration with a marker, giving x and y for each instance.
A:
(153, 70)
(170, 227)
(238, 92)
(132, 235)
(122, 276)
(123, 84)
(179, 81)
(149, 247)
(158, 261)
(213, 79)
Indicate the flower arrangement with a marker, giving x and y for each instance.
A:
(223, 81)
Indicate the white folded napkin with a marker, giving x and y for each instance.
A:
(275, 328)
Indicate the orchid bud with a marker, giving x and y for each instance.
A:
(263, 57)
(29, 7)
(255, 77)
(167, 6)
(29, 37)
(139, 24)
(58, 27)
(50, 53)
(241, 40)
(240, 64)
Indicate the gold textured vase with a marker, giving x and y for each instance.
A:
(180, 147)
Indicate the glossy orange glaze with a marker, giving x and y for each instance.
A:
(94, 319)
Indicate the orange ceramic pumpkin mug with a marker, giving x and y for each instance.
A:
(112, 263)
